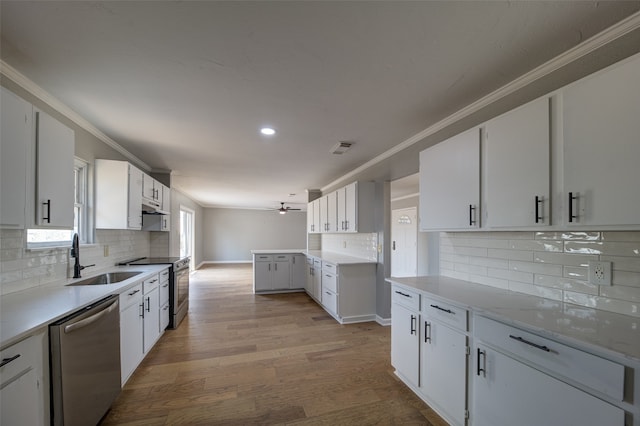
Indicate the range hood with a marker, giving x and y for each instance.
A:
(152, 207)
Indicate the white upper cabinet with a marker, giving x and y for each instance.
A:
(15, 139)
(450, 183)
(355, 207)
(516, 168)
(118, 195)
(328, 212)
(55, 144)
(601, 128)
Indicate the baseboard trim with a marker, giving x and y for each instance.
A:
(218, 262)
(383, 321)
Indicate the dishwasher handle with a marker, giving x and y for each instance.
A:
(89, 320)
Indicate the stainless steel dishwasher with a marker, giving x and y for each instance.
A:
(85, 363)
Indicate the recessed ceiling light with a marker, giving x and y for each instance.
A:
(267, 131)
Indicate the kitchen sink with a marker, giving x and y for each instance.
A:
(107, 278)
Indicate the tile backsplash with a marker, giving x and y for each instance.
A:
(21, 269)
(363, 245)
(553, 265)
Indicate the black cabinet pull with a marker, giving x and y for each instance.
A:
(148, 304)
(6, 361)
(538, 202)
(478, 368)
(472, 209)
(571, 215)
(142, 310)
(133, 292)
(449, 311)
(413, 324)
(526, 342)
(427, 327)
(48, 218)
(402, 294)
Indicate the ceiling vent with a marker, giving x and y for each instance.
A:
(341, 147)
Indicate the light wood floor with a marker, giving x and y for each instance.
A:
(242, 359)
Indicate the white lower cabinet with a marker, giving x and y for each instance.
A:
(349, 291)
(23, 389)
(131, 331)
(443, 359)
(298, 271)
(316, 284)
(164, 300)
(271, 272)
(151, 312)
(405, 343)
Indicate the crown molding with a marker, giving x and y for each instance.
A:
(37, 91)
(599, 40)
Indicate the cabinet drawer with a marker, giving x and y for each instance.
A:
(310, 261)
(317, 263)
(164, 292)
(282, 257)
(263, 258)
(330, 300)
(17, 358)
(164, 276)
(329, 281)
(581, 367)
(150, 283)
(330, 267)
(451, 315)
(408, 298)
(130, 296)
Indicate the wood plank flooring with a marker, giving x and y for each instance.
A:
(245, 359)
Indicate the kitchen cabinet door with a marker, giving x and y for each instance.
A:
(450, 183)
(134, 204)
(148, 187)
(261, 276)
(509, 392)
(281, 274)
(517, 169)
(131, 335)
(317, 281)
(601, 147)
(298, 271)
(54, 178)
(332, 212)
(151, 318)
(166, 199)
(15, 140)
(351, 207)
(443, 369)
(405, 343)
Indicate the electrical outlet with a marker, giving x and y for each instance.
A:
(600, 273)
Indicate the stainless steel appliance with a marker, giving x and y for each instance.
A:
(85, 363)
(178, 284)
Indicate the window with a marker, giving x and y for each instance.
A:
(81, 224)
(186, 233)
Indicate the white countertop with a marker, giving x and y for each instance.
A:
(24, 312)
(337, 258)
(279, 251)
(591, 329)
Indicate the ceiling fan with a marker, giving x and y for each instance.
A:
(283, 209)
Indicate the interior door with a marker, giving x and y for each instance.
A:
(404, 243)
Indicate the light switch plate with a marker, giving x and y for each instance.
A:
(600, 273)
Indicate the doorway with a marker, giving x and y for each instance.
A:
(187, 217)
(404, 242)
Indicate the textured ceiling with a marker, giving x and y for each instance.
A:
(185, 86)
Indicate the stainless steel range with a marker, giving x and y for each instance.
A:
(178, 284)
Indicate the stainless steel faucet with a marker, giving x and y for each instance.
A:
(75, 253)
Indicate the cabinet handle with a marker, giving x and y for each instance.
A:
(276, 266)
(6, 361)
(148, 304)
(133, 292)
(571, 215)
(427, 327)
(402, 294)
(142, 310)
(526, 342)
(153, 281)
(538, 202)
(449, 311)
(269, 266)
(478, 369)
(472, 210)
(48, 218)
(393, 246)
(166, 285)
(346, 225)
(413, 324)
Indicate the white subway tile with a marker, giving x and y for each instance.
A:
(564, 283)
(522, 277)
(625, 278)
(564, 258)
(620, 292)
(490, 281)
(535, 245)
(503, 274)
(471, 269)
(536, 268)
(623, 263)
(614, 248)
(486, 261)
(568, 236)
(455, 274)
(546, 292)
(603, 303)
(576, 272)
(510, 254)
(632, 236)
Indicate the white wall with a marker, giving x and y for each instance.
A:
(229, 235)
(553, 265)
